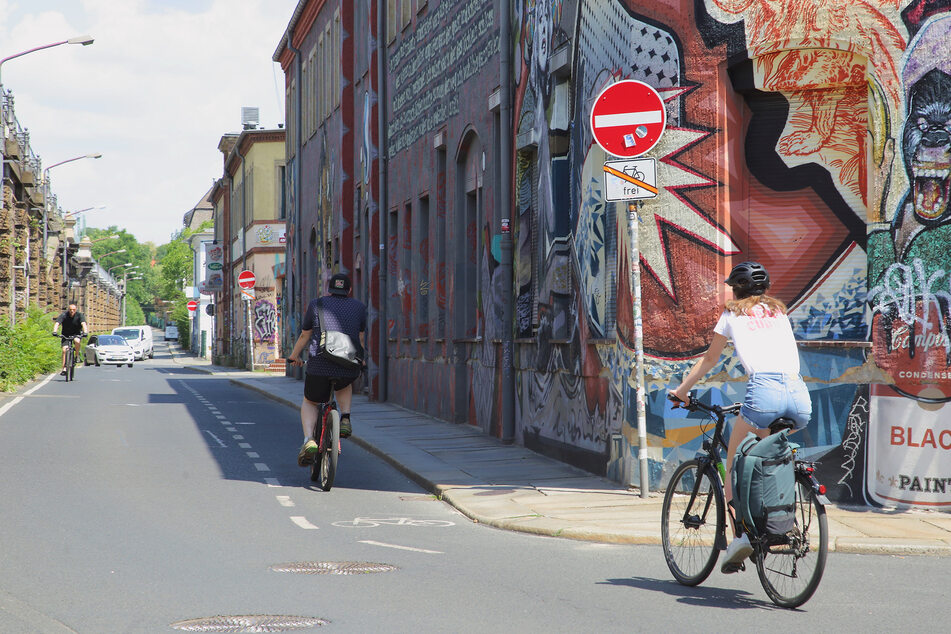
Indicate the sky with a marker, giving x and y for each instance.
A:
(163, 81)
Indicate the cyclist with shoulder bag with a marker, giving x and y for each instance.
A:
(73, 325)
(762, 336)
(334, 313)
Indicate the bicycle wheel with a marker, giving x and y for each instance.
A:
(691, 518)
(70, 366)
(330, 452)
(790, 572)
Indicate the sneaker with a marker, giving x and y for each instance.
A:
(345, 427)
(63, 372)
(307, 452)
(736, 552)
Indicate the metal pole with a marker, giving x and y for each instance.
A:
(636, 378)
(505, 182)
(250, 337)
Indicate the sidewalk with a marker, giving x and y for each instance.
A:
(513, 488)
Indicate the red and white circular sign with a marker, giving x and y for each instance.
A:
(193, 305)
(246, 279)
(628, 118)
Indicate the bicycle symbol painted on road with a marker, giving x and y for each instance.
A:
(373, 522)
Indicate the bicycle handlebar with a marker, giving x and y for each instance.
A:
(695, 405)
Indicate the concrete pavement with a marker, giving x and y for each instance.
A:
(513, 488)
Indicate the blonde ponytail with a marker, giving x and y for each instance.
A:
(745, 305)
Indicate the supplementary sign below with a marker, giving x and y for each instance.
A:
(630, 180)
(247, 294)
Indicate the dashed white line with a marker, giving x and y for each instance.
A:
(285, 500)
(253, 454)
(303, 523)
(238, 437)
(415, 550)
(218, 440)
(244, 445)
(272, 482)
(260, 466)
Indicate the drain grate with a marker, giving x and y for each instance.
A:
(250, 623)
(333, 567)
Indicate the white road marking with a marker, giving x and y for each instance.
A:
(3, 410)
(244, 423)
(230, 429)
(303, 523)
(272, 482)
(415, 550)
(238, 437)
(260, 466)
(253, 454)
(285, 500)
(244, 445)
(218, 440)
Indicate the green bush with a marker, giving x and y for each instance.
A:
(27, 349)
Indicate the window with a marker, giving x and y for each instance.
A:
(407, 283)
(422, 277)
(392, 15)
(439, 274)
(392, 273)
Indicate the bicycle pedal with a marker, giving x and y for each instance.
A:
(729, 569)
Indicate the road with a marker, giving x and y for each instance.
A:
(135, 499)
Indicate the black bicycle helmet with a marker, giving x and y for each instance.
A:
(748, 278)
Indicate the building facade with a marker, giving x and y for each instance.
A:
(453, 172)
(248, 210)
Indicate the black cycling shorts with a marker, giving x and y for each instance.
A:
(317, 388)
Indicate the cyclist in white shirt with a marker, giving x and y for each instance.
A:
(763, 338)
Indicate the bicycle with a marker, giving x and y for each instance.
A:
(67, 341)
(324, 467)
(693, 522)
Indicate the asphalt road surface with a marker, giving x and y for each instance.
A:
(141, 499)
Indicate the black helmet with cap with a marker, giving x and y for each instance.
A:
(748, 278)
(339, 284)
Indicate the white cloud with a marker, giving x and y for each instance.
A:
(154, 94)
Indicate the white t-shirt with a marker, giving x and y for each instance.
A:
(764, 341)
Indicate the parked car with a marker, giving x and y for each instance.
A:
(140, 341)
(108, 349)
(171, 333)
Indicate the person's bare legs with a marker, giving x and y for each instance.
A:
(309, 412)
(344, 398)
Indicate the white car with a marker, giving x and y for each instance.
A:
(136, 337)
(109, 350)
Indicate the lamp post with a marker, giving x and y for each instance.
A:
(84, 40)
(125, 281)
(46, 188)
(82, 211)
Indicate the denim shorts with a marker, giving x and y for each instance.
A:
(770, 395)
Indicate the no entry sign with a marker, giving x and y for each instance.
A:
(193, 305)
(628, 118)
(246, 279)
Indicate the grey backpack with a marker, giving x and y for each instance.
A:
(764, 484)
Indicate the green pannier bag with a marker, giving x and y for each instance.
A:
(764, 484)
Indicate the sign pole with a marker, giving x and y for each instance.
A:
(636, 377)
(247, 301)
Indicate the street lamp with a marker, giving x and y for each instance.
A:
(112, 237)
(127, 264)
(84, 40)
(105, 255)
(82, 211)
(125, 284)
(46, 188)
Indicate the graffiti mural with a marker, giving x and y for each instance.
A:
(264, 321)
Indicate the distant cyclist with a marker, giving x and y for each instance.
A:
(763, 338)
(343, 314)
(73, 324)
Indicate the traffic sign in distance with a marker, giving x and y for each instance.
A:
(246, 279)
(193, 305)
(628, 118)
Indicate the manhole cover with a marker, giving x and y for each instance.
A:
(251, 623)
(333, 568)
